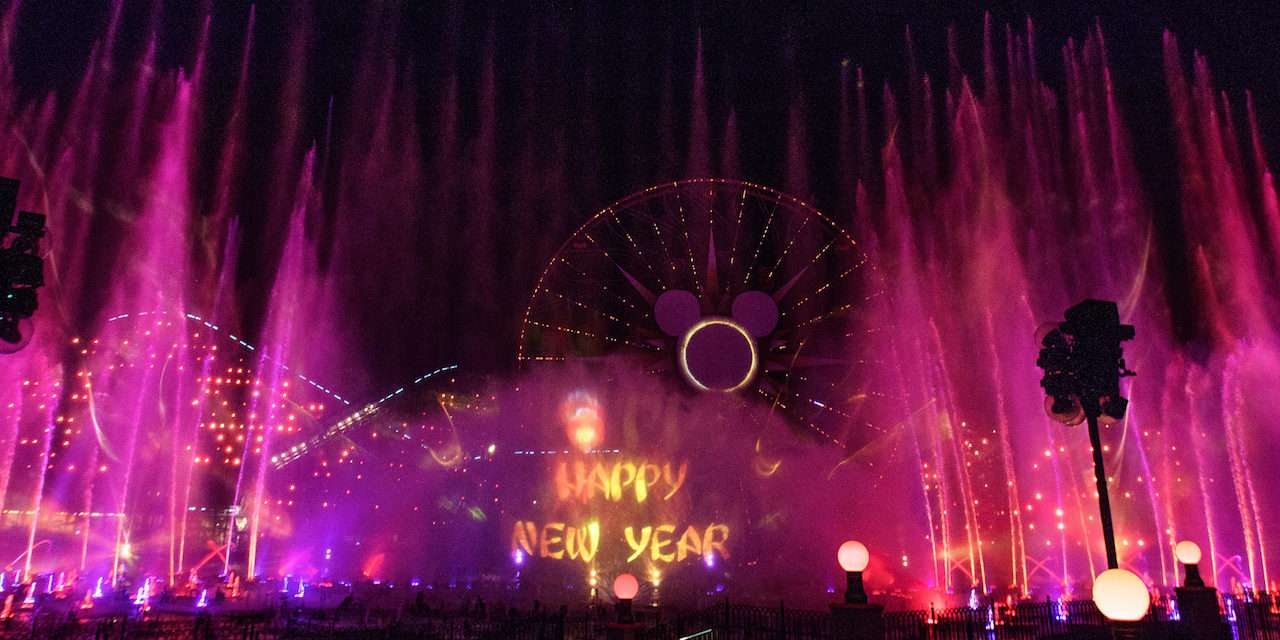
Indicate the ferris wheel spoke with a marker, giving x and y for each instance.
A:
(764, 235)
(834, 314)
(639, 288)
(643, 257)
(584, 278)
(782, 292)
(823, 433)
(586, 307)
(596, 336)
(713, 274)
(792, 237)
(635, 248)
(737, 228)
(651, 223)
(858, 335)
(688, 244)
(822, 288)
(820, 361)
(670, 231)
(562, 308)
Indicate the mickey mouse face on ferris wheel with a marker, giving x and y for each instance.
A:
(738, 287)
(717, 353)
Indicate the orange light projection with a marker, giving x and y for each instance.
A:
(639, 482)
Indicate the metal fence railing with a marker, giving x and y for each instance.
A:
(1245, 616)
(1252, 615)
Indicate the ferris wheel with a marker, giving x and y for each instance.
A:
(732, 287)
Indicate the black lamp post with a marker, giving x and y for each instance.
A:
(853, 559)
(1197, 602)
(856, 618)
(1083, 362)
(1188, 553)
(625, 587)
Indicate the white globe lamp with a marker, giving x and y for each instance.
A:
(853, 558)
(1188, 553)
(1121, 595)
(625, 588)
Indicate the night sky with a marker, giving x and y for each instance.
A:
(628, 67)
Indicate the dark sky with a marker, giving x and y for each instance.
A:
(747, 43)
(1239, 38)
(757, 54)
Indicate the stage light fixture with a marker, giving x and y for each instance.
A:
(21, 268)
(1083, 362)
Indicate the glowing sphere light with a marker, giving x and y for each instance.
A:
(1187, 552)
(853, 556)
(625, 587)
(1121, 595)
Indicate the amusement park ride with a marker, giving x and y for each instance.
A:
(732, 286)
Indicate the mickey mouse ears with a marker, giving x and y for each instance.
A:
(756, 312)
(677, 310)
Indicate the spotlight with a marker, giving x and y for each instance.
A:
(21, 268)
(18, 302)
(1113, 408)
(30, 224)
(1064, 409)
(1064, 404)
(1083, 362)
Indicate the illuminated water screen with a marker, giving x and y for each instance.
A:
(366, 326)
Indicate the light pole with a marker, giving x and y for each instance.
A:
(1104, 498)
(855, 618)
(625, 588)
(1083, 362)
(1188, 553)
(1197, 603)
(853, 558)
